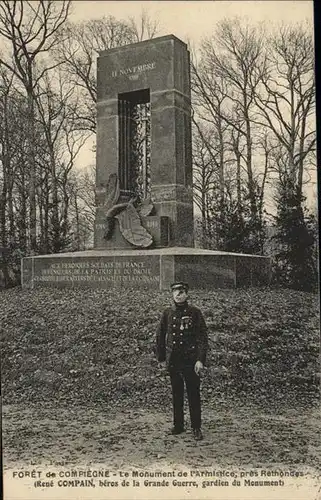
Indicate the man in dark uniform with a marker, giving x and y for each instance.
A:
(182, 342)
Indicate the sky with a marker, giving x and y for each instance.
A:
(191, 20)
(195, 18)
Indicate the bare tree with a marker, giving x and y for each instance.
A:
(80, 48)
(144, 28)
(286, 101)
(13, 187)
(6, 151)
(13, 156)
(204, 179)
(56, 117)
(79, 51)
(224, 82)
(236, 55)
(56, 148)
(209, 97)
(31, 29)
(82, 207)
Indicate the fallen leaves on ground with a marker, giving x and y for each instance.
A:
(96, 346)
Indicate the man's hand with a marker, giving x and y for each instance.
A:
(198, 367)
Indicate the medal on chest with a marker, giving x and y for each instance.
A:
(186, 323)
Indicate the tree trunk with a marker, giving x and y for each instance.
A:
(46, 217)
(3, 203)
(23, 218)
(77, 223)
(221, 158)
(32, 172)
(41, 222)
(3, 258)
(55, 208)
(249, 161)
(11, 214)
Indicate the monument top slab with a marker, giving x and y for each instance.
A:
(157, 64)
(152, 41)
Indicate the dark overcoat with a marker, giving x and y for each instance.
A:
(182, 329)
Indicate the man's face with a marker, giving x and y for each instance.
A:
(180, 295)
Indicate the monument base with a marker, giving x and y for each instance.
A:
(152, 268)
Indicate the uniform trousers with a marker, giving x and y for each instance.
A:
(180, 374)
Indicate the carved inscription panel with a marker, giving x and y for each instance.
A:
(130, 71)
(108, 271)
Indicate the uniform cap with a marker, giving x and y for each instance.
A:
(179, 285)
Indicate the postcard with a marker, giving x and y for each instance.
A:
(159, 301)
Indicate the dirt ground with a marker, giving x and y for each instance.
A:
(136, 438)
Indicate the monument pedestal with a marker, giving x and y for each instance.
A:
(153, 268)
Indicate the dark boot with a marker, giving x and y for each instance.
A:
(197, 433)
(177, 430)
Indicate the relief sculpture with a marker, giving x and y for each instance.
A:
(128, 215)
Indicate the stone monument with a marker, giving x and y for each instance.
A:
(144, 216)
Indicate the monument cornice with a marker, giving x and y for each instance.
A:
(156, 40)
(169, 91)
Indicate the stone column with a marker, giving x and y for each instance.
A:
(171, 160)
(160, 66)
